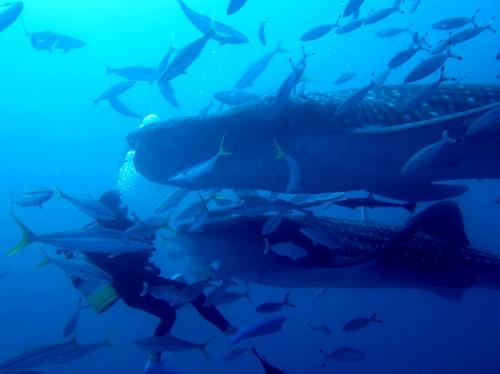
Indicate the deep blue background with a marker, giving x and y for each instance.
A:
(49, 134)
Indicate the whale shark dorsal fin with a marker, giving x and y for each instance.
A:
(442, 220)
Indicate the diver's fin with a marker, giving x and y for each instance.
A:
(424, 192)
(222, 150)
(442, 220)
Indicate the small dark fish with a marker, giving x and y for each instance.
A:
(169, 343)
(321, 236)
(426, 92)
(224, 33)
(350, 26)
(167, 92)
(379, 15)
(113, 91)
(346, 77)
(72, 323)
(317, 32)
(488, 123)
(403, 57)
(235, 97)
(352, 7)
(429, 66)
(320, 329)
(468, 34)
(160, 69)
(9, 12)
(134, 73)
(122, 109)
(360, 323)
(344, 354)
(271, 307)
(389, 33)
(295, 176)
(235, 5)
(352, 102)
(268, 368)
(289, 85)
(235, 353)
(172, 200)
(68, 43)
(321, 292)
(498, 56)
(261, 328)
(286, 249)
(455, 22)
(414, 7)
(370, 202)
(185, 57)
(262, 32)
(441, 154)
(32, 198)
(256, 69)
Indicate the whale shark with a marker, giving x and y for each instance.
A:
(431, 252)
(365, 149)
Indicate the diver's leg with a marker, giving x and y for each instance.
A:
(212, 314)
(156, 307)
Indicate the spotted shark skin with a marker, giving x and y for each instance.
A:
(444, 265)
(364, 150)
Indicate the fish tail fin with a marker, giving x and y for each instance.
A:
(26, 32)
(491, 26)
(287, 301)
(28, 237)
(411, 207)
(375, 318)
(326, 358)
(59, 193)
(74, 342)
(107, 342)
(145, 289)
(280, 49)
(109, 70)
(474, 17)
(280, 154)
(267, 247)
(247, 294)
(46, 260)
(222, 150)
(93, 101)
(203, 347)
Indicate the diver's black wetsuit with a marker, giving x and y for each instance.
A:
(131, 270)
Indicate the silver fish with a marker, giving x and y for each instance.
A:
(346, 77)
(32, 198)
(344, 354)
(122, 109)
(113, 91)
(78, 268)
(99, 240)
(455, 22)
(234, 6)
(360, 323)
(134, 73)
(261, 328)
(72, 323)
(429, 66)
(172, 200)
(351, 103)
(272, 307)
(89, 206)
(169, 343)
(191, 175)
(295, 176)
(286, 249)
(320, 329)
(256, 69)
(488, 123)
(9, 12)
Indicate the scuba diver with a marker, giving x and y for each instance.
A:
(130, 271)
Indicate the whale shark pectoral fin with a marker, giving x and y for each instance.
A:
(442, 220)
(423, 192)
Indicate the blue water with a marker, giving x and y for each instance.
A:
(49, 134)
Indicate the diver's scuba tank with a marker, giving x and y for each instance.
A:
(100, 296)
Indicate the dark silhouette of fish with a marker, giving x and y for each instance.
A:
(370, 146)
(360, 323)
